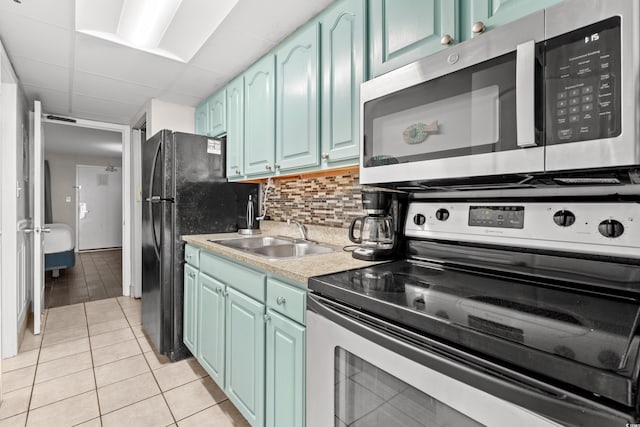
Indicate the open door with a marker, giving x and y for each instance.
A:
(38, 217)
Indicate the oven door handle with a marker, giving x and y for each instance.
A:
(551, 402)
(525, 94)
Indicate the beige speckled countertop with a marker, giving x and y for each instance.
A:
(298, 269)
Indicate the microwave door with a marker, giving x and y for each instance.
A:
(592, 66)
(465, 112)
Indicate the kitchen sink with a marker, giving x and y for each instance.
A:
(277, 247)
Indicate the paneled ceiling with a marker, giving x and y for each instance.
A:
(78, 75)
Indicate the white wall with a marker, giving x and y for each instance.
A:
(63, 180)
(165, 115)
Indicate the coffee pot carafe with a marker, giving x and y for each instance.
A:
(375, 233)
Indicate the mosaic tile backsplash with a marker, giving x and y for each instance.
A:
(330, 201)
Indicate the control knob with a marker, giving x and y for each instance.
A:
(564, 218)
(419, 219)
(611, 228)
(442, 214)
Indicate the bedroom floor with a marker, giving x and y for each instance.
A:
(97, 275)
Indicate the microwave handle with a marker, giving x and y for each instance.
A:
(525, 94)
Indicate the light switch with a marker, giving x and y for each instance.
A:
(67, 199)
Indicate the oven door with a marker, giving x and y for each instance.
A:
(591, 85)
(354, 380)
(470, 110)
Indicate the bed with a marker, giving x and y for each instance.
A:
(59, 248)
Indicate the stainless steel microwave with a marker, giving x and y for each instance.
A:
(558, 90)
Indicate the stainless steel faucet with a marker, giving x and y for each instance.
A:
(301, 228)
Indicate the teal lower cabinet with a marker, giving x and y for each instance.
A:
(244, 383)
(285, 371)
(211, 322)
(246, 328)
(190, 312)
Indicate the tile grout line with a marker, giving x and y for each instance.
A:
(93, 368)
(164, 398)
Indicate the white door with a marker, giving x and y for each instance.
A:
(38, 217)
(99, 207)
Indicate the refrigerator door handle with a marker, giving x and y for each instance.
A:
(153, 199)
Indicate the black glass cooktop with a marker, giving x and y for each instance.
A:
(481, 310)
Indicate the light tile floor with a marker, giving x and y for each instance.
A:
(93, 366)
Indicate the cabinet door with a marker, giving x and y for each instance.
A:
(190, 310)
(285, 372)
(259, 117)
(202, 119)
(342, 28)
(211, 331)
(404, 31)
(235, 128)
(297, 101)
(218, 113)
(494, 13)
(244, 382)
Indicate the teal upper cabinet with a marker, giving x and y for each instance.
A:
(235, 128)
(211, 330)
(245, 357)
(190, 311)
(343, 70)
(202, 118)
(493, 13)
(404, 31)
(218, 113)
(259, 117)
(297, 101)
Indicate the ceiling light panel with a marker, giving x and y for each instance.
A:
(175, 29)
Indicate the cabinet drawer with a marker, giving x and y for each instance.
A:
(191, 255)
(287, 300)
(245, 280)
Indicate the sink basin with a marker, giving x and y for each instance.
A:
(253, 242)
(276, 247)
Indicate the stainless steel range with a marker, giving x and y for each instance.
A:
(502, 312)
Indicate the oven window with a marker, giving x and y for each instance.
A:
(470, 111)
(367, 396)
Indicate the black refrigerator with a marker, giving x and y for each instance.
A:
(184, 191)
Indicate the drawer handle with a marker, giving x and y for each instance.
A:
(280, 300)
(267, 317)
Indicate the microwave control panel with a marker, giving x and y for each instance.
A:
(582, 83)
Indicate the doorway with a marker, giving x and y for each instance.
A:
(98, 207)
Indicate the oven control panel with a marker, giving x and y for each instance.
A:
(611, 229)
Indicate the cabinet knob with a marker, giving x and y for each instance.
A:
(192, 275)
(237, 171)
(478, 28)
(267, 167)
(224, 292)
(189, 256)
(277, 166)
(267, 317)
(280, 300)
(446, 40)
(325, 156)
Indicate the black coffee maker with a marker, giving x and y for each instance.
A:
(378, 231)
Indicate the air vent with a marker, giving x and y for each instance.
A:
(61, 119)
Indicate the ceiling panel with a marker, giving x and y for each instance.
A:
(82, 106)
(100, 57)
(58, 12)
(113, 90)
(26, 38)
(36, 73)
(275, 20)
(53, 101)
(181, 98)
(219, 55)
(196, 81)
